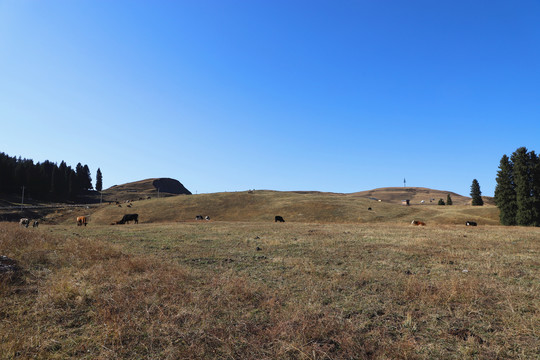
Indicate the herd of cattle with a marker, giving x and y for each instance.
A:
(421, 223)
(83, 220)
(26, 222)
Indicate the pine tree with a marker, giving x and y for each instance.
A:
(441, 202)
(99, 180)
(87, 178)
(55, 181)
(79, 180)
(523, 186)
(476, 194)
(63, 179)
(448, 200)
(505, 195)
(535, 171)
(72, 183)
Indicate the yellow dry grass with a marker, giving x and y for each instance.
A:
(414, 194)
(308, 207)
(264, 290)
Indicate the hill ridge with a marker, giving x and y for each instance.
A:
(415, 194)
(164, 184)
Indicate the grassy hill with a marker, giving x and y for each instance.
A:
(156, 200)
(144, 189)
(414, 194)
(263, 205)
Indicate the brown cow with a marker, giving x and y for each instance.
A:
(418, 223)
(81, 220)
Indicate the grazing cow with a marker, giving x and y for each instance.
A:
(369, 208)
(24, 222)
(129, 217)
(81, 220)
(198, 217)
(470, 223)
(207, 217)
(278, 218)
(418, 223)
(35, 224)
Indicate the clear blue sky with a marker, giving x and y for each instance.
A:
(338, 96)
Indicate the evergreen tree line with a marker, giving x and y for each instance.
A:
(517, 193)
(46, 180)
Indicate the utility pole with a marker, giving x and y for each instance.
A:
(22, 198)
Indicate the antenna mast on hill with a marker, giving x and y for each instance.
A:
(404, 182)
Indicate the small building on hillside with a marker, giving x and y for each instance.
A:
(405, 202)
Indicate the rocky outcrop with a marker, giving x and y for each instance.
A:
(170, 186)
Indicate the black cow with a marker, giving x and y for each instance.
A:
(471, 223)
(129, 217)
(278, 218)
(198, 217)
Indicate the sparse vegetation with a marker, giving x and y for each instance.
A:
(265, 291)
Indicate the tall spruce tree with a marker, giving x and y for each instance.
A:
(535, 171)
(87, 178)
(72, 184)
(505, 195)
(523, 186)
(448, 200)
(55, 182)
(99, 180)
(79, 180)
(63, 179)
(476, 194)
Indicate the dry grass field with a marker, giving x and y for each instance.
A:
(414, 194)
(265, 290)
(263, 205)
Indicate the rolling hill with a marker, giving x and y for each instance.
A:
(159, 200)
(414, 194)
(263, 205)
(143, 189)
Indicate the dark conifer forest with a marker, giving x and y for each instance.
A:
(43, 181)
(517, 193)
